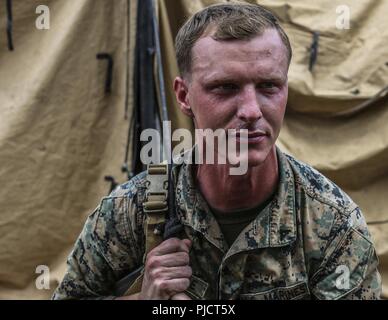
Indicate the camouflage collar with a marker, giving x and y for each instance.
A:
(274, 226)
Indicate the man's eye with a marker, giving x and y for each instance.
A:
(267, 85)
(228, 87)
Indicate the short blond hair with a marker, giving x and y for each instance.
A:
(231, 21)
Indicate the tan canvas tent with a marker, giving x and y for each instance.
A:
(61, 133)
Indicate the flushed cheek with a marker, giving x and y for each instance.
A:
(210, 113)
(274, 117)
(275, 110)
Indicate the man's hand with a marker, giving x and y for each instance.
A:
(167, 272)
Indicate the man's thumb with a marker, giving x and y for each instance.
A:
(187, 242)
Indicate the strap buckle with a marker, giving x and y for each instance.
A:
(157, 188)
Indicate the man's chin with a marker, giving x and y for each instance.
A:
(257, 157)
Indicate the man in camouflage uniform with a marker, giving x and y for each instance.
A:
(280, 231)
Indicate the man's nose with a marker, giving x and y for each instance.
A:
(249, 109)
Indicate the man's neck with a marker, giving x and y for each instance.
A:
(227, 193)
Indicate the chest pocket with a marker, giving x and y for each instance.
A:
(297, 291)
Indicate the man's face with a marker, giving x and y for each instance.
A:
(238, 84)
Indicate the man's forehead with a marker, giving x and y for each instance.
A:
(270, 39)
(261, 49)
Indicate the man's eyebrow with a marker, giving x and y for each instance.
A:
(272, 79)
(215, 80)
(223, 79)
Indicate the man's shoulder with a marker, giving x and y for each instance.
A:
(319, 187)
(119, 217)
(124, 202)
(131, 187)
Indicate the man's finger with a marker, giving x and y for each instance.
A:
(172, 286)
(180, 296)
(171, 245)
(176, 259)
(171, 273)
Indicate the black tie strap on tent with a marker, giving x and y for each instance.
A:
(109, 72)
(9, 24)
(314, 51)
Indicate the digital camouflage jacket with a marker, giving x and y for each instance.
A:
(310, 242)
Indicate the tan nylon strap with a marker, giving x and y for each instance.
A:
(135, 287)
(155, 205)
(155, 208)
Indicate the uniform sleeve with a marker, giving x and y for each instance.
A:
(105, 251)
(349, 268)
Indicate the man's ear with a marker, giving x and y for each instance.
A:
(181, 94)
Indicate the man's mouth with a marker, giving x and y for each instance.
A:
(251, 138)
